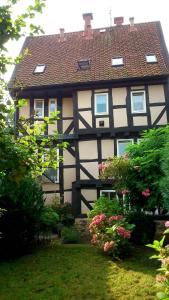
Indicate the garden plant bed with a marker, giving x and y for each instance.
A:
(78, 272)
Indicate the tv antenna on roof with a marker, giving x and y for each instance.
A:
(110, 17)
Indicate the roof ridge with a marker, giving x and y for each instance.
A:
(94, 29)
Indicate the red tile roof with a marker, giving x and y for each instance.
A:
(61, 57)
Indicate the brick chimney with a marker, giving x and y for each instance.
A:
(118, 21)
(62, 35)
(88, 32)
(132, 26)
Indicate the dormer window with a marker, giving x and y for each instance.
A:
(151, 58)
(117, 61)
(39, 69)
(84, 64)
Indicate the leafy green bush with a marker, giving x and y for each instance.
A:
(162, 281)
(111, 234)
(70, 235)
(20, 223)
(144, 230)
(105, 206)
(64, 211)
(48, 219)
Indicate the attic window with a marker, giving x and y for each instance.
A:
(117, 61)
(83, 64)
(39, 69)
(151, 58)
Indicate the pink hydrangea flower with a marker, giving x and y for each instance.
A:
(97, 220)
(94, 240)
(115, 218)
(146, 193)
(167, 224)
(123, 232)
(108, 246)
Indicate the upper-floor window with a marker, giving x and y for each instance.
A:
(122, 145)
(138, 102)
(117, 61)
(39, 69)
(39, 108)
(52, 106)
(151, 58)
(101, 104)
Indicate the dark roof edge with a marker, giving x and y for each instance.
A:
(97, 84)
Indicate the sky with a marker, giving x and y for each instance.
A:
(67, 14)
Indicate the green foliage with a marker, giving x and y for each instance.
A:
(162, 278)
(20, 223)
(48, 219)
(147, 171)
(106, 206)
(64, 211)
(116, 168)
(70, 235)
(164, 180)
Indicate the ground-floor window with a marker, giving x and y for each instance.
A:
(110, 194)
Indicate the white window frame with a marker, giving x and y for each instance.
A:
(57, 181)
(108, 191)
(40, 68)
(95, 104)
(35, 101)
(117, 61)
(52, 99)
(144, 103)
(122, 140)
(139, 140)
(151, 58)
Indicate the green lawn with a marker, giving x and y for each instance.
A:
(70, 272)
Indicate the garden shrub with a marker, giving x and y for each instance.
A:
(48, 220)
(144, 230)
(64, 211)
(111, 234)
(70, 235)
(20, 222)
(106, 206)
(162, 278)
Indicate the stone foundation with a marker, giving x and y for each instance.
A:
(82, 226)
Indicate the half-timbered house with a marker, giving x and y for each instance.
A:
(109, 85)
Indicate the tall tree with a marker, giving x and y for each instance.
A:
(27, 151)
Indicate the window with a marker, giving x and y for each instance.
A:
(52, 106)
(138, 102)
(122, 145)
(110, 194)
(84, 64)
(39, 69)
(51, 173)
(118, 61)
(151, 58)
(39, 108)
(101, 104)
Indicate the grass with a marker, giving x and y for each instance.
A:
(77, 272)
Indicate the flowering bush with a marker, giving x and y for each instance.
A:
(111, 234)
(162, 278)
